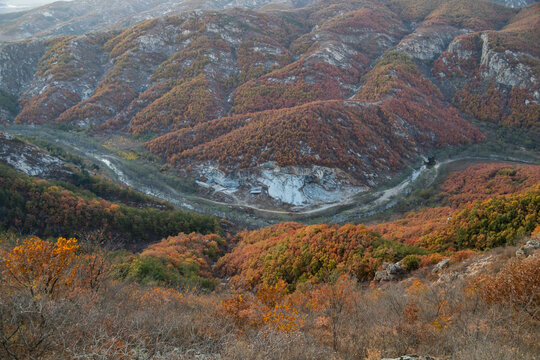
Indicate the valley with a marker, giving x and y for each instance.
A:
(147, 177)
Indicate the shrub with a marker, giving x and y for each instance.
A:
(517, 285)
(40, 267)
(411, 262)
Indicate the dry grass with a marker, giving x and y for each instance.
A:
(341, 320)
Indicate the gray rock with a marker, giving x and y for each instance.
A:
(443, 264)
(528, 249)
(506, 68)
(78, 17)
(514, 3)
(428, 42)
(31, 160)
(390, 272)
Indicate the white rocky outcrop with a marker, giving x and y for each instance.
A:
(291, 185)
(441, 265)
(391, 272)
(528, 249)
(427, 43)
(506, 68)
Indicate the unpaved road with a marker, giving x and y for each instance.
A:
(381, 199)
(151, 182)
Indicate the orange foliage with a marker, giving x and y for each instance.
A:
(188, 251)
(47, 106)
(161, 296)
(477, 182)
(91, 270)
(523, 112)
(415, 225)
(470, 14)
(184, 105)
(491, 223)
(41, 267)
(238, 307)
(297, 254)
(331, 133)
(36, 206)
(334, 301)
(430, 259)
(480, 182)
(478, 95)
(517, 284)
(461, 255)
(485, 105)
(277, 91)
(270, 306)
(110, 96)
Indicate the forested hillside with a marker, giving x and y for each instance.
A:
(41, 207)
(360, 88)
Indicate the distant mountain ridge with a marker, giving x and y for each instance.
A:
(81, 16)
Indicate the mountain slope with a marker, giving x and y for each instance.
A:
(315, 103)
(493, 75)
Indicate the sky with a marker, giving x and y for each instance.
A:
(25, 3)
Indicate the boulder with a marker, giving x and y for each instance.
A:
(528, 249)
(443, 264)
(390, 272)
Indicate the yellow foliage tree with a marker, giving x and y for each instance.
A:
(270, 306)
(39, 266)
(276, 308)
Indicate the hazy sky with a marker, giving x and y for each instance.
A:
(20, 5)
(28, 3)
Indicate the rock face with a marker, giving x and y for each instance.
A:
(18, 65)
(31, 160)
(515, 3)
(506, 68)
(293, 186)
(498, 68)
(390, 272)
(528, 249)
(470, 268)
(427, 43)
